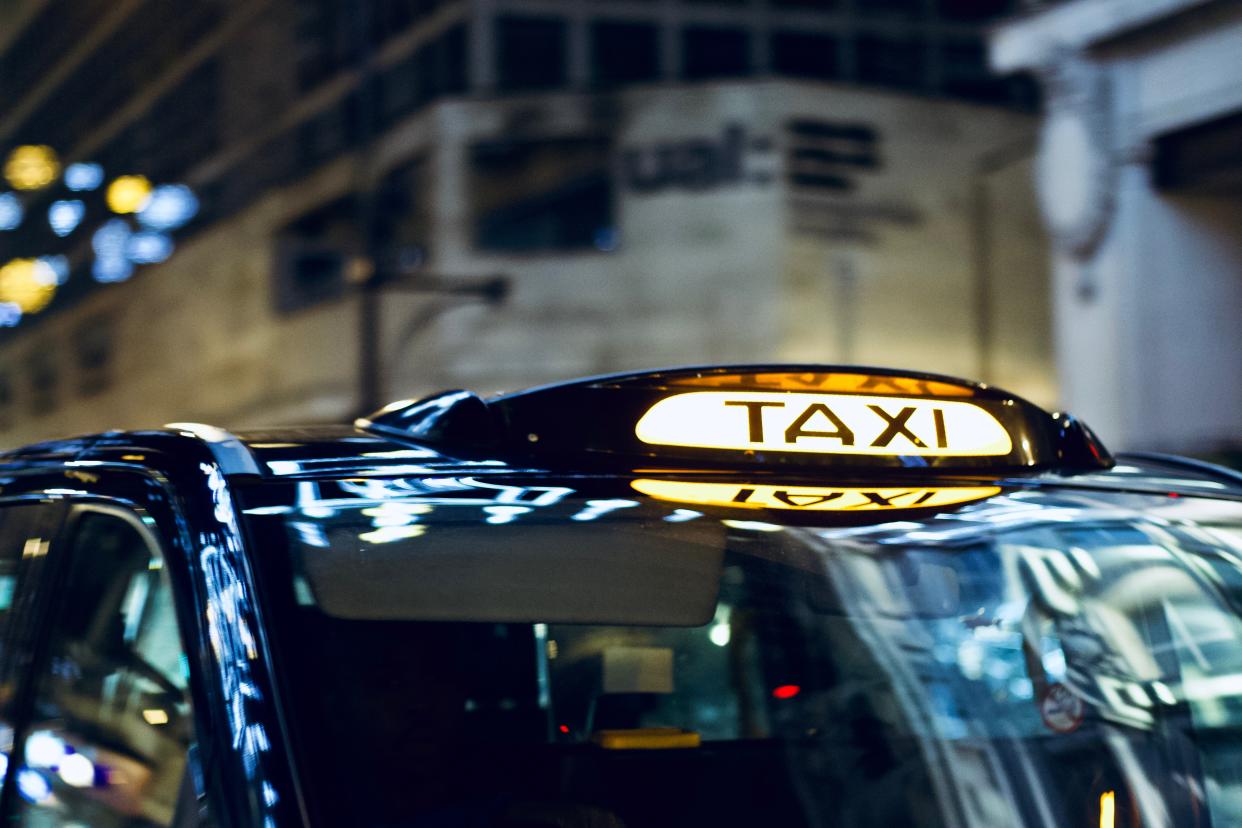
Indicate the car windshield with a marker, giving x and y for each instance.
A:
(615, 652)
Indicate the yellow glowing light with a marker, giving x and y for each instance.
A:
(1108, 809)
(647, 738)
(824, 424)
(27, 284)
(155, 716)
(824, 382)
(128, 194)
(810, 498)
(31, 167)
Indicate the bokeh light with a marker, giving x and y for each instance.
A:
(169, 207)
(108, 269)
(28, 284)
(10, 315)
(77, 771)
(111, 246)
(11, 211)
(83, 177)
(128, 194)
(111, 239)
(32, 786)
(44, 749)
(56, 266)
(148, 247)
(31, 167)
(64, 216)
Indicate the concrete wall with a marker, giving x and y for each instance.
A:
(1147, 332)
(722, 274)
(948, 273)
(1151, 360)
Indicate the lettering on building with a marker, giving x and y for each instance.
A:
(733, 158)
(826, 162)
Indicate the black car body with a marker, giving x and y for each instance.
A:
(531, 611)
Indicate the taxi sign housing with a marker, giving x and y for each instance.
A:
(803, 416)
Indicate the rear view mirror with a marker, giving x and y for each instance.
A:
(582, 573)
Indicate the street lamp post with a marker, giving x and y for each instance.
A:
(373, 283)
(374, 273)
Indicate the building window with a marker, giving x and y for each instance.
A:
(904, 8)
(1201, 159)
(444, 60)
(390, 234)
(44, 379)
(438, 68)
(532, 52)
(325, 41)
(402, 221)
(94, 347)
(892, 62)
(329, 133)
(313, 252)
(975, 11)
(624, 53)
(182, 128)
(803, 55)
(710, 52)
(542, 195)
(810, 5)
(391, 17)
(967, 75)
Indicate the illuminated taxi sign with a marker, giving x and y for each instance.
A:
(811, 498)
(824, 424)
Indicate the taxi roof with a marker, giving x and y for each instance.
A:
(340, 451)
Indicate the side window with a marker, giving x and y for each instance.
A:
(25, 530)
(111, 725)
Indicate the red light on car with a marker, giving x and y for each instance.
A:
(786, 691)
(564, 728)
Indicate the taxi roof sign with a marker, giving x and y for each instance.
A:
(754, 416)
(824, 424)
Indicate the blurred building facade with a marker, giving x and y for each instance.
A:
(655, 183)
(1140, 178)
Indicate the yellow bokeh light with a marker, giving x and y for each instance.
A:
(27, 284)
(31, 167)
(128, 194)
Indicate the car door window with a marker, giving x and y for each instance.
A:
(25, 536)
(108, 739)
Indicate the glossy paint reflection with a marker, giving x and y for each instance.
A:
(1073, 635)
(230, 618)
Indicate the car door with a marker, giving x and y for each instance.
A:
(27, 528)
(106, 731)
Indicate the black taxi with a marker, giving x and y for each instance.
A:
(724, 596)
